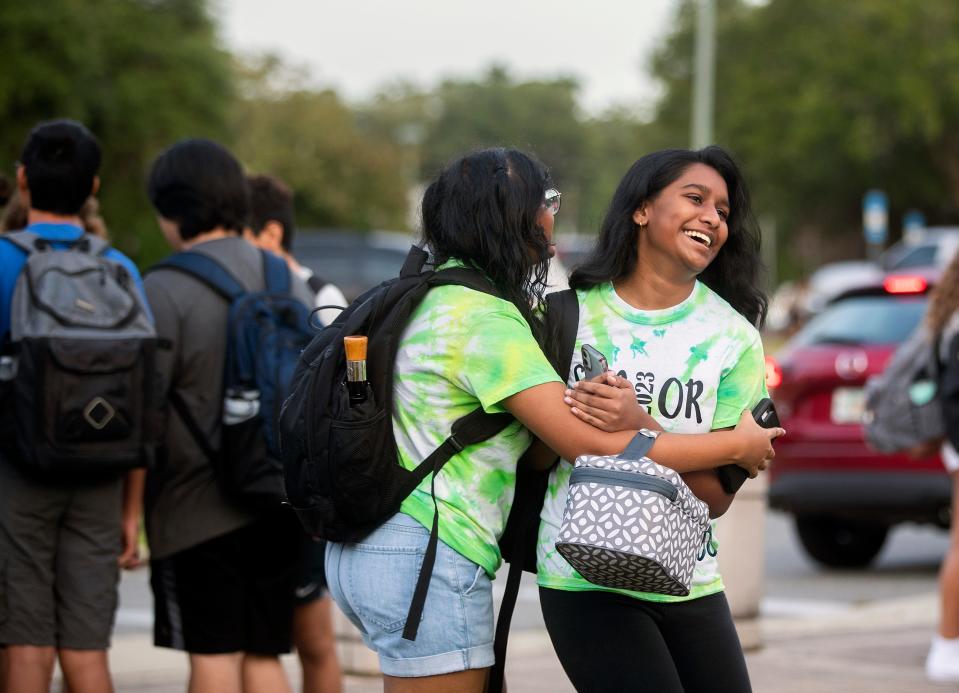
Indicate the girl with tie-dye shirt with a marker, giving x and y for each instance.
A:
(492, 210)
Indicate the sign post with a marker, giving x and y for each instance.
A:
(875, 222)
(913, 223)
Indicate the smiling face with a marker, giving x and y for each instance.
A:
(685, 224)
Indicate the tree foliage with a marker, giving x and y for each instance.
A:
(823, 100)
(586, 156)
(342, 176)
(138, 73)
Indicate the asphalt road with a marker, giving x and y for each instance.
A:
(794, 584)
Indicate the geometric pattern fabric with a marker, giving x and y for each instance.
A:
(632, 538)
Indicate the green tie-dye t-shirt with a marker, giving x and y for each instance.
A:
(463, 349)
(694, 367)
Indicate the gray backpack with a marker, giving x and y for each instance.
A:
(77, 378)
(633, 524)
(902, 408)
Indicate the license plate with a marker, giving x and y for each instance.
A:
(847, 405)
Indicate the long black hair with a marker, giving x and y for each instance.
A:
(734, 273)
(482, 210)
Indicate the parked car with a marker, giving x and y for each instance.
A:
(357, 261)
(932, 246)
(843, 495)
(352, 260)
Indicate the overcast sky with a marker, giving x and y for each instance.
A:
(356, 46)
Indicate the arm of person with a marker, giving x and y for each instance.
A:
(708, 488)
(609, 402)
(133, 485)
(541, 409)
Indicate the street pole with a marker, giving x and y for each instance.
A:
(704, 74)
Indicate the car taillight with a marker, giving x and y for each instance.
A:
(774, 373)
(905, 284)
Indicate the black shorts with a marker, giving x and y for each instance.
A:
(311, 577)
(231, 593)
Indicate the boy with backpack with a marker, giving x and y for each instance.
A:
(76, 342)
(223, 549)
(271, 228)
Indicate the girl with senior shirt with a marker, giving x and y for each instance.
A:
(669, 294)
(492, 210)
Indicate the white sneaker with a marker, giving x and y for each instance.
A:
(942, 663)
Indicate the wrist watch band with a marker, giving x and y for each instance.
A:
(640, 444)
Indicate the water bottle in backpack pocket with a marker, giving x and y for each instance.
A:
(77, 383)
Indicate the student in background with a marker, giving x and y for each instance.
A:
(222, 574)
(272, 228)
(61, 544)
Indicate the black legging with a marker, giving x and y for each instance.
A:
(610, 643)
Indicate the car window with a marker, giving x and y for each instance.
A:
(920, 256)
(352, 261)
(881, 319)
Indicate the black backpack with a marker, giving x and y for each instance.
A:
(266, 332)
(343, 475)
(76, 378)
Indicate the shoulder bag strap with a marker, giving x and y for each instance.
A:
(562, 323)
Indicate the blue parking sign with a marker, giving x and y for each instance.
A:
(875, 217)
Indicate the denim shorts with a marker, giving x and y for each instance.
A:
(372, 581)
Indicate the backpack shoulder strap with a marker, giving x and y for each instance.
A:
(205, 269)
(24, 240)
(276, 273)
(464, 276)
(562, 321)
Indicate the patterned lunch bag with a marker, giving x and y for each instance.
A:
(633, 524)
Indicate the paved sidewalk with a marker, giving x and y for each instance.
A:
(874, 648)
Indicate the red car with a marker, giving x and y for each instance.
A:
(843, 495)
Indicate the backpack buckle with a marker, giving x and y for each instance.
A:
(456, 445)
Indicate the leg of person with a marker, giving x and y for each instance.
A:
(313, 623)
(702, 640)
(608, 642)
(264, 674)
(29, 514)
(316, 646)
(30, 668)
(942, 663)
(85, 671)
(216, 672)
(87, 575)
(272, 550)
(373, 581)
(198, 598)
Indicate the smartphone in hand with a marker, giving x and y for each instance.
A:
(732, 476)
(594, 363)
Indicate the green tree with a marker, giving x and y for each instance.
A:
(139, 73)
(342, 176)
(822, 100)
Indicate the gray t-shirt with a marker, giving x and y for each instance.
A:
(184, 505)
